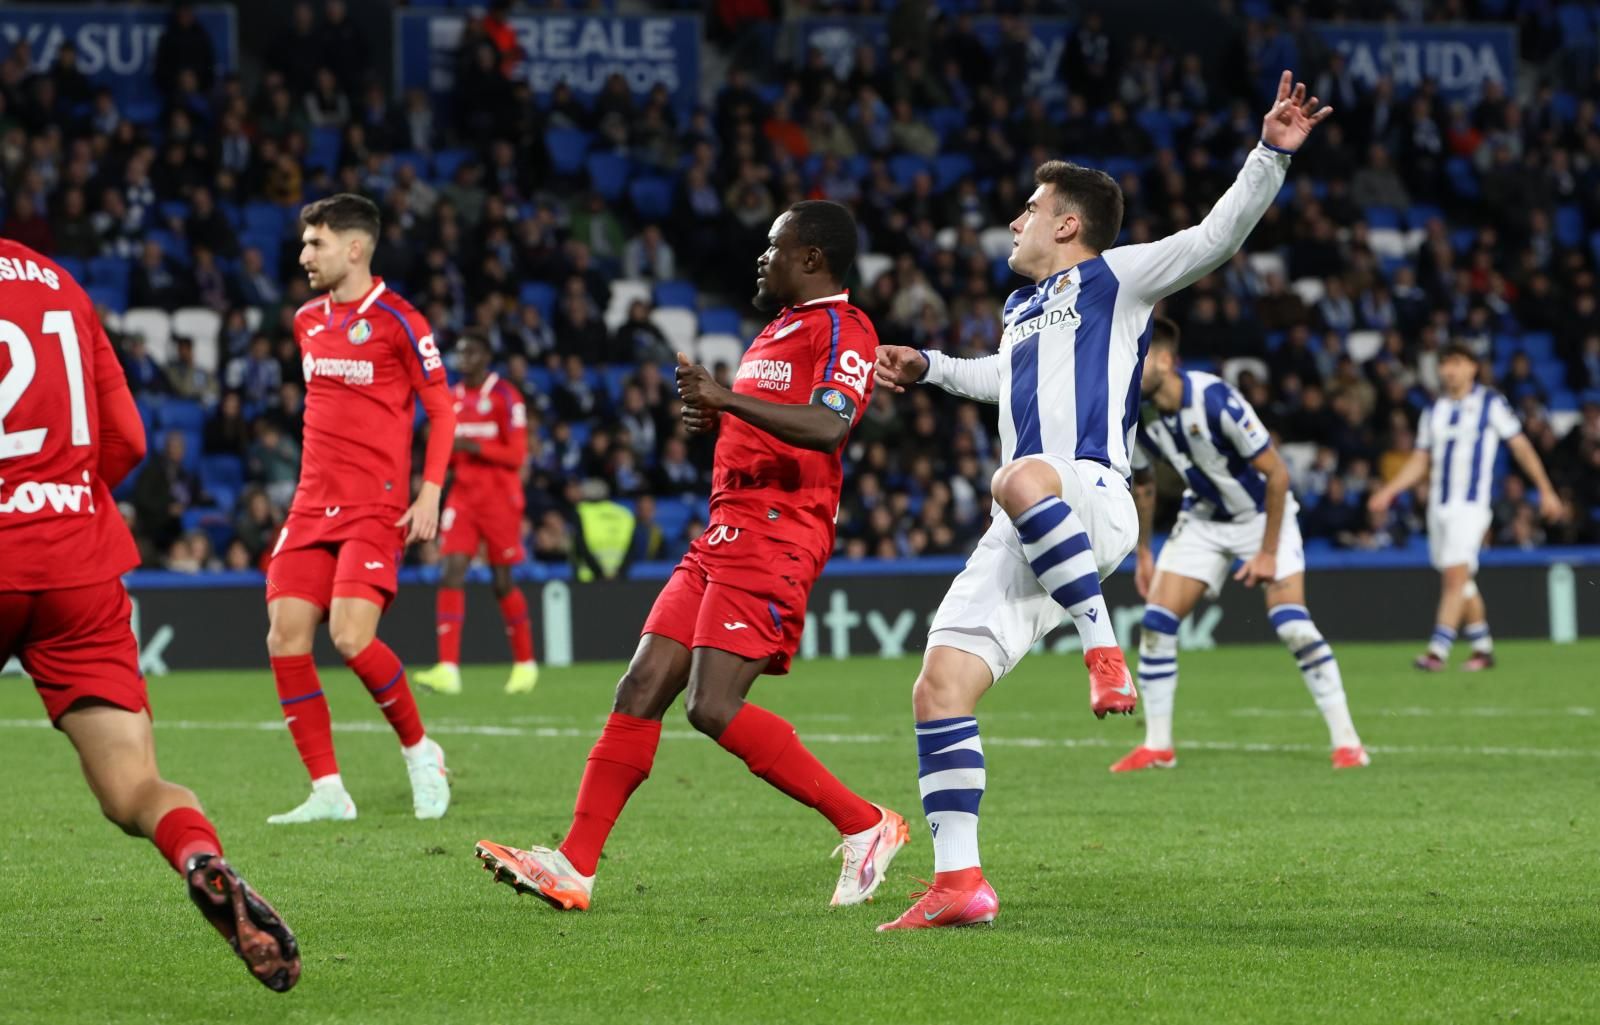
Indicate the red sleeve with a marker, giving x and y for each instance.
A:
(512, 448)
(416, 349)
(846, 348)
(122, 442)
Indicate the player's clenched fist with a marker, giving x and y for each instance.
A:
(899, 366)
(702, 396)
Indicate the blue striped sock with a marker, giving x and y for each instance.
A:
(951, 777)
(1443, 637)
(1478, 634)
(1058, 552)
(1158, 675)
(1319, 668)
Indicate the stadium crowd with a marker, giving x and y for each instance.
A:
(590, 242)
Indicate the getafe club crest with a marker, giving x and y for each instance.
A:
(359, 332)
(484, 406)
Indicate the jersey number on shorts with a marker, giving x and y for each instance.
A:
(28, 441)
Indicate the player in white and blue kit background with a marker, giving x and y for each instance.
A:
(1066, 380)
(1458, 438)
(1236, 505)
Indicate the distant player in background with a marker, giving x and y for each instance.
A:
(367, 355)
(484, 511)
(1237, 506)
(736, 605)
(1458, 438)
(70, 433)
(1066, 379)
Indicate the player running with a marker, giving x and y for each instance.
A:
(484, 511)
(71, 433)
(736, 604)
(367, 355)
(1067, 383)
(1458, 438)
(1237, 506)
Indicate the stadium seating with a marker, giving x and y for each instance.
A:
(680, 327)
(201, 326)
(675, 293)
(155, 326)
(709, 350)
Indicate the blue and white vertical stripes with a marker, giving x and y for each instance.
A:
(951, 776)
(1462, 437)
(1210, 440)
(1059, 553)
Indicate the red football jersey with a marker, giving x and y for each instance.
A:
(757, 481)
(494, 416)
(364, 362)
(69, 432)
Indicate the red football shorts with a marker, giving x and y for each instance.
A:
(497, 526)
(334, 553)
(77, 644)
(738, 592)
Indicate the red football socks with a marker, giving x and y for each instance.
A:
(450, 610)
(619, 761)
(306, 712)
(184, 832)
(768, 745)
(514, 610)
(385, 678)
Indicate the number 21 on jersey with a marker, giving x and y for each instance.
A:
(26, 441)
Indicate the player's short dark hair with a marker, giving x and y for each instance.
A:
(343, 211)
(1164, 334)
(1461, 349)
(831, 228)
(472, 338)
(1092, 194)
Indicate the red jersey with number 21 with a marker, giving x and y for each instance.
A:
(763, 485)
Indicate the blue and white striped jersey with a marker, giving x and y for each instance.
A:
(1067, 373)
(1210, 440)
(1462, 438)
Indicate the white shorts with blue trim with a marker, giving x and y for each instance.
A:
(1455, 535)
(995, 608)
(1205, 550)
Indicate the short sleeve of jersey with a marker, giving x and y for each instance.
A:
(1242, 427)
(414, 347)
(1502, 420)
(1425, 429)
(846, 350)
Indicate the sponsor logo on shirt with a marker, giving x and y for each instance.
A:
(852, 373)
(477, 429)
(31, 496)
(431, 360)
(359, 332)
(350, 371)
(771, 374)
(1065, 315)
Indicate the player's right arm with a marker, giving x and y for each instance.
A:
(899, 366)
(1412, 473)
(122, 441)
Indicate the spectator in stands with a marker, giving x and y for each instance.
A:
(145, 375)
(206, 226)
(326, 105)
(257, 524)
(255, 375)
(580, 334)
(253, 284)
(157, 283)
(185, 378)
(344, 45)
(274, 462)
(28, 225)
(638, 339)
(185, 46)
(164, 489)
(649, 256)
(227, 433)
(73, 228)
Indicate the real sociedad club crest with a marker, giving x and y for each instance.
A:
(359, 332)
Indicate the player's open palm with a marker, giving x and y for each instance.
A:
(899, 366)
(1289, 122)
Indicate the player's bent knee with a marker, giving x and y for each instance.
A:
(709, 715)
(286, 642)
(350, 641)
(1021, 484)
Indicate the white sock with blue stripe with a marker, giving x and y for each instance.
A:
(1058, 551)
(1319, 668)
(951, 776)
(1158, 675)
(1478, 635)
(1439, 644)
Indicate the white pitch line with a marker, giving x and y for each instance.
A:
(551, 732)
(1574, 711)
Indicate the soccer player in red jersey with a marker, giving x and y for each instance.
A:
(735, 606)
(484, 510)
(69, 433)
(367, 355)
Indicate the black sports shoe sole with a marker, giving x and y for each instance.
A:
(252, 927)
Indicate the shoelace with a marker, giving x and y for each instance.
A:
(917, 895)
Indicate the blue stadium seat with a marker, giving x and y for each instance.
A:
(447, 162)
(1569, 226)
(540, 380)
(675, 293)
(1463, 179)
(1539, 345)
(651, 196)
(719, 320)
(567, 147)
(112, 297)
(110, 270)
(270, 244)
(616, 377)
(1420, 214)
(1156, 124)
(173, 210)
(74, 266)
(672, 517)
(1577, 30)
(1462, 239)
(322, 149)
(1564, 401)
(1382, 217)
(267, 218)
(173, 245)
(183, 414)
(223, 470)
(947, 121)
(949, 168)
(418, 162)
(1116, 167)
(905, 166)
(1551, 373)
(608, 174)
(541, 294)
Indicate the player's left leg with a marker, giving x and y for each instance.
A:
(1475, 617)
(1173, 596)
(353, 624)
(1453, 581)
(1041, 500)
(719, 682)
(1286, 609)
(117, 750)
(450, 614)
(514, 611)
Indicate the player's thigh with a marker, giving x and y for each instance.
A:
(304, 574)
(1196, 551)
(1176, 593)
(1104, 505)
(656, 675)
(292, 624)
(79, 648)
(950, 683)
(458, 531)
(995, 608)
(677, 607)
(368, 565)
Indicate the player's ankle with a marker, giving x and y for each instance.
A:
(959, 879)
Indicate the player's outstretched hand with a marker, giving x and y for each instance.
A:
(1551, 507)
(1260, 568)
(422, 519)
(899, 366)
(1292, 117)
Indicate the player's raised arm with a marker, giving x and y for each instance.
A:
(900, 366)
(1156, 269)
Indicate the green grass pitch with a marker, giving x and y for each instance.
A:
(1454, 881)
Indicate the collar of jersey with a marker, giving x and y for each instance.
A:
(839, 298)
(1041, 291)
(365, 302)
(1183, 375)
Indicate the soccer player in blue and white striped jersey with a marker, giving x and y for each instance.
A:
(1066, 380)
(1458, 438)
(1237, 505)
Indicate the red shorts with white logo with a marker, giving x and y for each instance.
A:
(466, 525)
(78, 645)
(739, 592)
(338, 553)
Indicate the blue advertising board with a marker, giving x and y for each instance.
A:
(837, 37)
(1461, 59)
(583, 50)
(116, 43)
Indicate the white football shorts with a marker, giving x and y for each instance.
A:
(1205, 550)
(1455, 534)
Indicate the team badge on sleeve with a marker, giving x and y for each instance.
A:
(836, 399)
(833, 399)
(359, 332)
